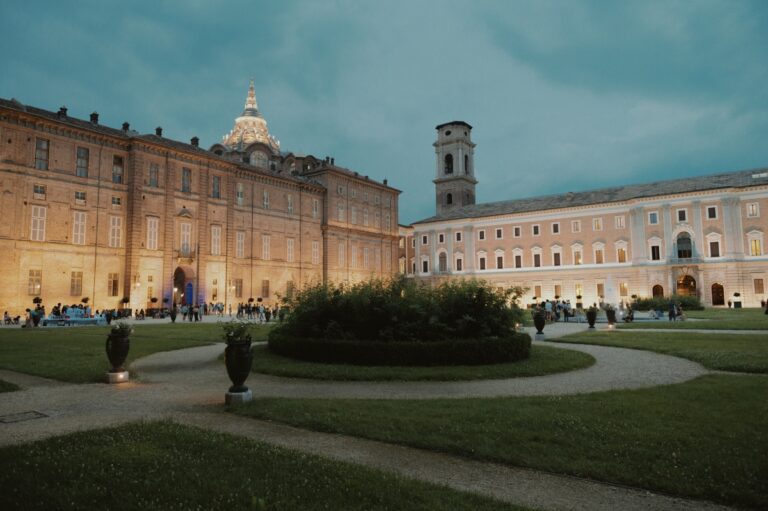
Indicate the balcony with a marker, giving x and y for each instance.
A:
(185, 255)
(685, 260)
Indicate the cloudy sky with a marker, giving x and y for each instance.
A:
(563, 95)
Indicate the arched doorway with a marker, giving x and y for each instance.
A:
(657, 291)
(718, 294)
(686, 285)
(183, 286)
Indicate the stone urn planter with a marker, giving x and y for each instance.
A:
(539, 320)
(610, 314)
(238, 358)
(591, 317)
(117, 346)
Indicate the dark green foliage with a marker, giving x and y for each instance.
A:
(662, 303)
(402, 310)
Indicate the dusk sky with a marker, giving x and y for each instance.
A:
(563, 95)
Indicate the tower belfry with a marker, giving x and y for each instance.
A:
(455, 167)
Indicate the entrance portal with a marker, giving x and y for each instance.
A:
(183, 286)
(718, 295)
(657, 291)
(686, 285)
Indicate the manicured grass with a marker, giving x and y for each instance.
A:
(78, 354)
(160, 466)
(702, 439)
(543, 360)
(8, 386)
(746, 353)
(716, 319)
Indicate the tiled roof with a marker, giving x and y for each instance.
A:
(740, 179)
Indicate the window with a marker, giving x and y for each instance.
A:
(366, 260)
(216, 187)
(558, 290)
(290, 205)
(315, 252)
(682, 215)
(576, 226)
(340, 190)
(377, 199)
(516, 231)
(623, 289)
(41, 153)
(621, 255)
(684, 246)
(459, 264)
(113, 280)
(115, 231)
(481, 264)
(151, 292)
(537, 290)
(711, 212)
(714, 249)
(449, 198)
(425, 266)
(76, 283)
(556, 258)
(753, 210)
(353, 192)
(81, 168)
(577, 257)
(598, 256)
(117, 202)
(759, 286)
(755, 247)
(79, 197)
(342, 253)
(518, 261)
(340, 212)
(265, 242)
(555, 227)
(653, 218)
(38, 191)
(289, 250)
(265, 199)
(240, 244)
(499, 262)
(413, 242)
(154, 175)
(186, 180)
(238, 288)
(535, 230)
(448, 163)
(481, 234)
(619, 222)
(365, 217)
(387, 221)
(597, 224)
(186, 238)
(38, 224)
(579, 289)
(117, 169)
(537, 260)
(35, 282)
(315, 208)
(152, 228)
(365, 196)
(78, 228)
(353, 257)
(655, 253)
(458, 237)
(215, 240)
(239, 194)
(499, 233)
(441, 238)
(290, 289)
(424, 239)
(600, 290)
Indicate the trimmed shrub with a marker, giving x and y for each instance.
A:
(662, 303)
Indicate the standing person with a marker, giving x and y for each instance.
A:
(184, 311)
(672, 310)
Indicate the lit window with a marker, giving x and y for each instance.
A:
(597, 224)
(755, 247)
(35, 282)
(623, 289)
(621, 255)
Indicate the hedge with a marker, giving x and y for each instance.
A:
(491, 350)
(662, 303)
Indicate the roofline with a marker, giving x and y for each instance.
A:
(453, 123)
(350, 174)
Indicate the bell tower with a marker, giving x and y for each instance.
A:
(455, 167)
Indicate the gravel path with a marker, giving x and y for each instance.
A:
(188, 386)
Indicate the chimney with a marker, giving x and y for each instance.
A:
(95, 118)
(126, 126)
(159, 131)
(327, 159)
(62, 112)
(385, 181)
(333, 161)
(195, 141)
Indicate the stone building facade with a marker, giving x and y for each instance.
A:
(104, 213)
(703, 236)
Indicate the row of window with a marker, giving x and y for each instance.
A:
(341, 217)
(35, 283)
(364, 262)
(365, 196)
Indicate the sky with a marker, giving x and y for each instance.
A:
(563, 95)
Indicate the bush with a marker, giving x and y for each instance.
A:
(662, 303)
(492, 350)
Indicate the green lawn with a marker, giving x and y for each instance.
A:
(7, 386)
(78, 354)
(543, 360)
(160, 466)
(717, 319)
(727, 352)
(703, 439)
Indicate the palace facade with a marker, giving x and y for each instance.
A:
(702, 235)
(143, 220)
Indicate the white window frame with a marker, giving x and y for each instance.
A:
(265, 247)
(518, 252)
(620, 222)
(597, 224)
(458, 237)
(458, 260)
(755, 236)
(753, 209)
(153, 227)
(499, 253)
(536, 251)
(340, 216)
(575, 226)
(482, 260)
(652, 242)
(714, 237)
(706, 212)
(536, 230)
(685, 215)
(185, 237)
(517, 231)
(425, 239)
(481, 235)
(115, 231)
(240, 244)
(290, 204)
(622, 245)
(342, 254)
(595, 248)
(289, 250)
(499, 233)
(215, 240)
(78, 227)
(441, 238)
(265, 199)
(315, 252)
(651, 214)
(556, 249)
(239, 194)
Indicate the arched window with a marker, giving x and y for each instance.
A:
(448, 163)
(684, 246)
(657, 291)
(449, 198)
(466, 164)
(718, 294)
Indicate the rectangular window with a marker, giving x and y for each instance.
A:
(653, 218)
(518, 261)
(239, 194)
(425, 239)
(366, 261)
(117, 169)
(579, 289)
(42, 147)
(458, 237)
(365, 197)
(753, 210)
(576, 226)
(577, 257)
(537, 291)
(537, 260)
(387, 221)
(216, 187)
(599, 256)
(117, 202)
(535, 230)
(516, 231)
(755, 247)
(290, 204)
(79, 197)
(481, 234)
(35, 282)
(316, 252)
(78, 228)
(482, 263)
(714, 249)
(342, 254)
(619, 222)
(597, 224)
(425, 266)
(115, 231)
(556, 259)
(76, 283)
(289, 250)
(238, 288)
(113, 284)
(215, 240)
(365, 217)
(623, 289)
(38, 191)
(682, 215)
(240, 244)
(759, 287)
(655, 253)
(555, 227)
(150, 292)
(265, 252)
(186, 238)
(499, 262)
(353, 192)
(83, 157)
(499, 233)
(186, 180)
(600, 290)
(340, 212)
(459, 264)
(152, 230)
(558, 291)
(315, 208)
(290, 289)
(441, 238)
(154, 175)
(621, 255)
(711, 212)
(38, 224)
(265, 199)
